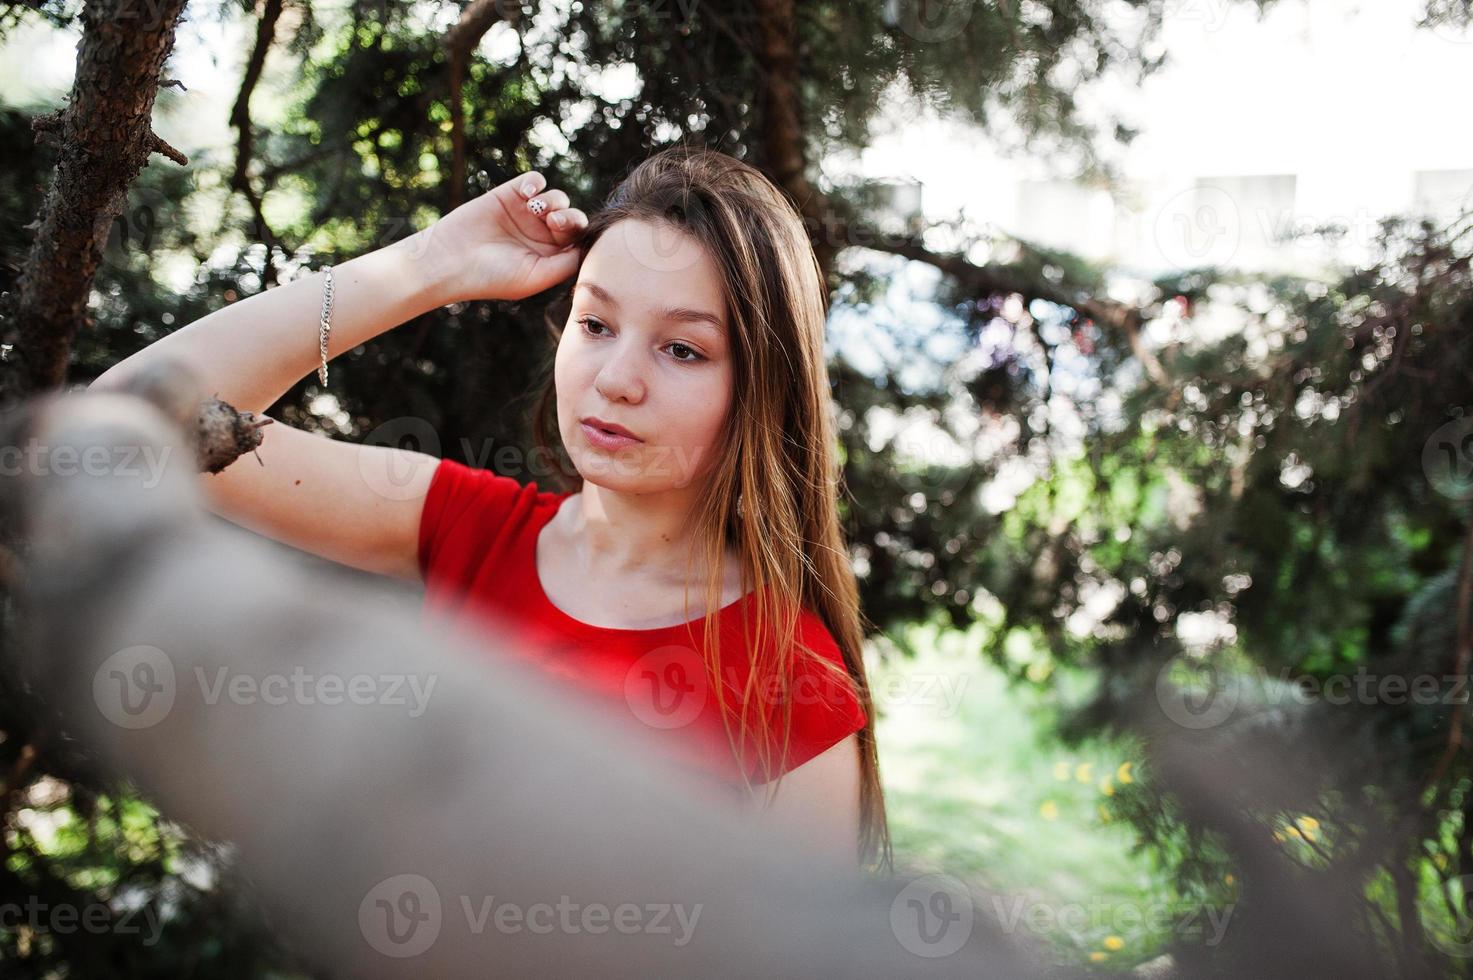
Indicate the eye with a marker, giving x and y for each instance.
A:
(589, 323)
(689, 360)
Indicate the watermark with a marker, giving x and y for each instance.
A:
(95, 918)
(667, 687)
(942, 692)
(1211, 14)
(393, 477)
(670, 687)
(1196, 706)
(1215, 693)
(404, 915)
(1200, 226)
(1206, 226)
(137, 687)
(1113, 916)
(137, 227)
(933, 916)
(36, 458)
(929, 21)
(1447, 459)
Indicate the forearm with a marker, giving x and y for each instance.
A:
(251, 352)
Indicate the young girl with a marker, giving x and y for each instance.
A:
(690, 393)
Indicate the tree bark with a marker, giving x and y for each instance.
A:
(104, 138)
(782, 136)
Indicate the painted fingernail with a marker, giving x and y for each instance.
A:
(558, 220)
(536, 205)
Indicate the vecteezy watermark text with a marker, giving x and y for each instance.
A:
(137, 686)
(93, 918)
(402, 916)
(35, 458)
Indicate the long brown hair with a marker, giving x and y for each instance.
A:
(778, 453)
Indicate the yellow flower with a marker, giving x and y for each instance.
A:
(1107, 787)
(1061, 771)
(1082, 772)
(1113, 943)
(1096, 957)
(1104, 814)
(1229, 878)
(1308, 826)
(1278, 837)
(1049, 810)
(1123, 773)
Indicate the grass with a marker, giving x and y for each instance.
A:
(978, 787)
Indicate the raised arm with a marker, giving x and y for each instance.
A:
(358, 505)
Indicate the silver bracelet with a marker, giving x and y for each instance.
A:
(326, 325)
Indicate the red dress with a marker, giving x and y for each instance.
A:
(477, 553)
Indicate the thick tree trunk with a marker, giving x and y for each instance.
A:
(782, 137)
(104, 137)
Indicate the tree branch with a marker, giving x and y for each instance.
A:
(104, 139)
(240, 119)
(1000, 280)
(344, 812)
(460, 41)
(1462, 656)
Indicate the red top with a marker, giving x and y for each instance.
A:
(477, 553)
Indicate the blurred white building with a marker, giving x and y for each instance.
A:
(1322, 113)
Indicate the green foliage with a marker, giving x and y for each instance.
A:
(1275, 483)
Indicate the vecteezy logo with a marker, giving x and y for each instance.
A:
(664, 248)
(135, 687)
(666, 688)
(400, 916)
(1199, 227)
(1211, 14)
(929, 21)
(391, 475)
(1190, 707)
(1447, 459)
(932, 916)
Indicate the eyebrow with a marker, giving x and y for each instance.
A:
(681, 313)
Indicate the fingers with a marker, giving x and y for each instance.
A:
(567, 225)
(551, 201)
(548, 207)
(528, 183)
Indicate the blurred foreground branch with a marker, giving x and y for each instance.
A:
(374, 831)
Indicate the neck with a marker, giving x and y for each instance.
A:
(617, 533)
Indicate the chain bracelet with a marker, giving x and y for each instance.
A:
(326, 325)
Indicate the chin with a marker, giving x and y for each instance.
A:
(604, 473)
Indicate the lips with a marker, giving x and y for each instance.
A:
(610, 428)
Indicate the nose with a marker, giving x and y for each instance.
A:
(621, 378)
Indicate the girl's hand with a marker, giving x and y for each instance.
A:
(496, 247)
